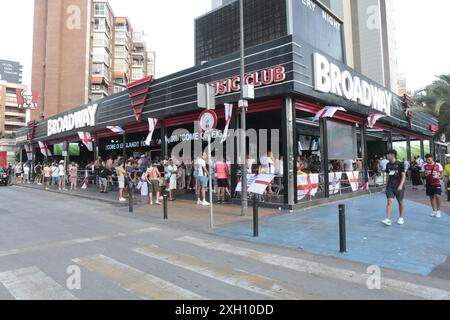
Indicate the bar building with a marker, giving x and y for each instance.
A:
(289, 57)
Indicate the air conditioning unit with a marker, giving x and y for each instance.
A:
(41, 114)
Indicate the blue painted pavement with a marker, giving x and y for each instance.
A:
(419, 246)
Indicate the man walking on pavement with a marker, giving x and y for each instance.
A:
(433, 173)
(395, 188)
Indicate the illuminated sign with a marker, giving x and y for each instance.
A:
(76, 120)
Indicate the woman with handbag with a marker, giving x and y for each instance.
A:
(171, 171)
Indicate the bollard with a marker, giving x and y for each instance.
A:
(342, 231)
(255, 217)
(165, 209)
(130, 200)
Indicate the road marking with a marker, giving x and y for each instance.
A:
(251, 282)
(320, 269)
(135, 281)
(33, 284)
(67, 243)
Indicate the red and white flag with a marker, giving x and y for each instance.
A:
(250, 179)
(373, 118)
(353, 179)
(29, 151)
(151, 128)
(44, 149)
(328, 112)
(116, 129)
(365, 187)
(307, 185)
(86, 138)
(228, 116)
(335, 182)
(260, 183)
(86, 181)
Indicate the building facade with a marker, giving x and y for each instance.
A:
(12, 117)
(10, 71)
(370, 37)
(76, 47)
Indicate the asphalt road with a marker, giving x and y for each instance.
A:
(60, 247)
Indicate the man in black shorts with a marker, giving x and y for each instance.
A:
(395, 188)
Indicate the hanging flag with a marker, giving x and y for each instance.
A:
(353, 179)
(116, 129)
(335, 182)
(307, 185)
(151, 128)
(260, 183)
(228, 116)
(86, 138)
(328, 112)
(44, 149)
(250, 179)
(373, 118)
(29, 151)
(86, 181)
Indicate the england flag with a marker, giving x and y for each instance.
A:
(373, 118)
(116, 129)
(328, 112)
(44, 149)
(86, 138)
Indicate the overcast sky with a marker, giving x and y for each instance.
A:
(423, 46)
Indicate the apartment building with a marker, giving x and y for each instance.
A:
(82, 53)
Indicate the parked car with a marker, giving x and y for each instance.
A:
(3, 177)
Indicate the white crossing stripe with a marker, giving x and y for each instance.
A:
(33, 284)
(320, 269)
(68, 243)
(135, 281)
(251, 282)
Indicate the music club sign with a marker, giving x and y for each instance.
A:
(260, 78)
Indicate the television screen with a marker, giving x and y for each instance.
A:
(74, 150)
(341, 141)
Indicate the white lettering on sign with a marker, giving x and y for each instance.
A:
(261, 78)
(329, 78)
(76, 120)
(328, 18)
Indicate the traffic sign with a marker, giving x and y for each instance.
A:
(208, 120)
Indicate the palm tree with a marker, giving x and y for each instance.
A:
(435, 100)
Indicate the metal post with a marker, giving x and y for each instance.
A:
(342, 229)
(255, 217)
(324, 143)
(211, 209)
(130, 199)
(422, 149)
(165, 206)
(365, 154)
(243, 137)
(124, 141)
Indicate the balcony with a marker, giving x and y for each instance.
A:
(15, 123)
(15, 114)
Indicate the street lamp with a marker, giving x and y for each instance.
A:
(243, 106)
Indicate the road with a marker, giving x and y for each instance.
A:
(54, 246)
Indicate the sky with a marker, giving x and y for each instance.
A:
(423, 46)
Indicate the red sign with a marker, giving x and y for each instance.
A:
(27, 99)
(208, 120)
(138, 92)
(31, 127)
(3, 159)
(434, 128)
(258, 78)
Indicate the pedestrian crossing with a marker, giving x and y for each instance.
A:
(139, 277)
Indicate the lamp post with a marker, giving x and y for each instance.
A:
(243, 106)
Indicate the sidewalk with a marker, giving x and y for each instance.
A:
(420, 246)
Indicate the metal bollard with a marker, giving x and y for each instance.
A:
(130, 200)
(342, 229)
(165, 206)
(255, 217)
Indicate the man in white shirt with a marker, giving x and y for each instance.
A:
(383, 164)
(62, 176)
(267, 164)
(349, 165)
(26, 173)
(202, 178)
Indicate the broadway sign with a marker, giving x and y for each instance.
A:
(75, 120)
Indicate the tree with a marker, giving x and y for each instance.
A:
(435, 100)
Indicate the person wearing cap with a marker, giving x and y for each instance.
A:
(447, 176)
(62, 176)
